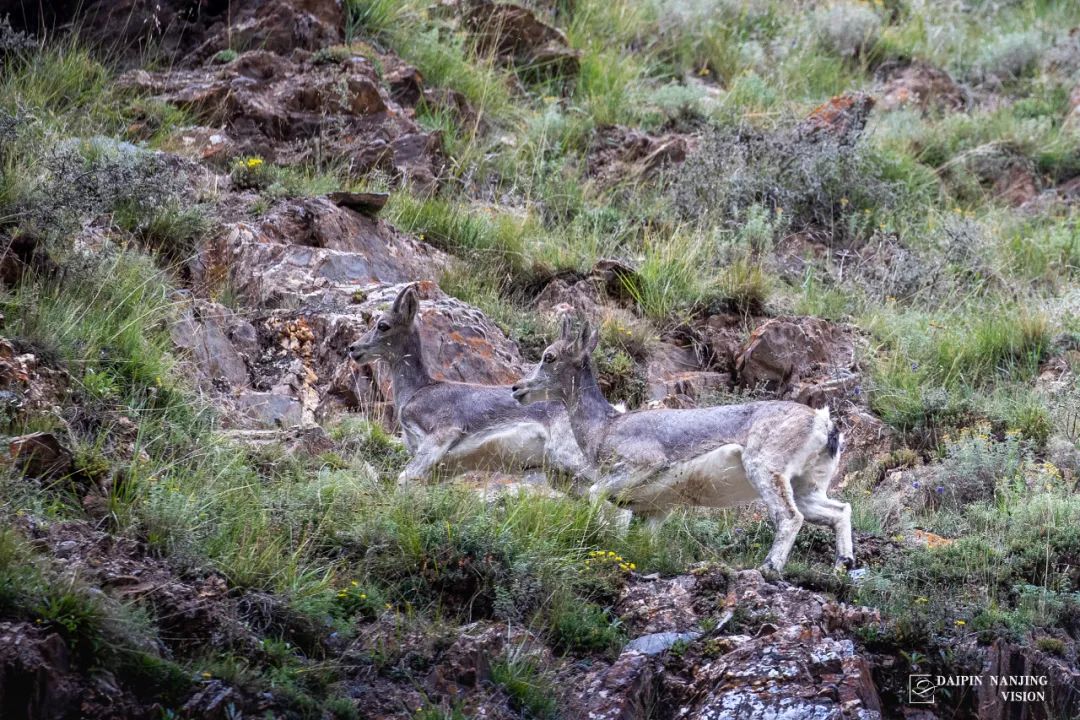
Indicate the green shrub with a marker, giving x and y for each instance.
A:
(974, 467)
(815, 183)
(848, 29)
(1052, 645)
(1010, 56)
(20, 579)
(582, 627)
(173, 230)
(77, 616)
(224, 57)
(530, 692)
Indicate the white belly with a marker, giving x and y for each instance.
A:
(715, 479)
(508, 447)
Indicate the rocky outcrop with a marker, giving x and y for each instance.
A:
(842, 118)
(515, 35)
(219, 342)
(311, 250)
(187, 608)
(40, 455)
(807, 359)
(39, 679)
(922, 86)
(621, 154)
(790, 654)
(677, 375)
(286, 108)
(28, 386)
(189, 33)
(1056, 694)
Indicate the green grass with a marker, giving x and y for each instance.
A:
(529, 692)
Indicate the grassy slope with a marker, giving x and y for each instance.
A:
(952, 367)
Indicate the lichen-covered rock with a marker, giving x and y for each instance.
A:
(842, 118)
(923, 86)
(620, 154)
(662, 606)
(189, 35)
(311, 250)
(806, 359)
(217, 342)
(286, 109)
(1006, 661)
(676, 374)
(791, 655)
(795, 672)
(623, 690)
(27, 386)
(514, 34)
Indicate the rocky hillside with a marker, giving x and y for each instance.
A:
(868, 205)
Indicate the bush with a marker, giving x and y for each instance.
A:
(1010, 57)
(973, 468)
(819, 183)
(582, 627)
(529, 691)
(19, 579)
(848, 29)
(83, 178)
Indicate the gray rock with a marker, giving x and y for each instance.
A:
(656, 643)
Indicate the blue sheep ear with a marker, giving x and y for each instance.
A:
(588, 339)
(593, 339)
(407, 303)
(566, 328)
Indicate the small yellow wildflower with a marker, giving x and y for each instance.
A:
(354, 583)
(363, 596)
(633, 566)
(611, 553)
(206, 675)
(253, 163)
(961, 623)
(843, 202)
(922, 600)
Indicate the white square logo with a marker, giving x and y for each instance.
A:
(921, 689)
